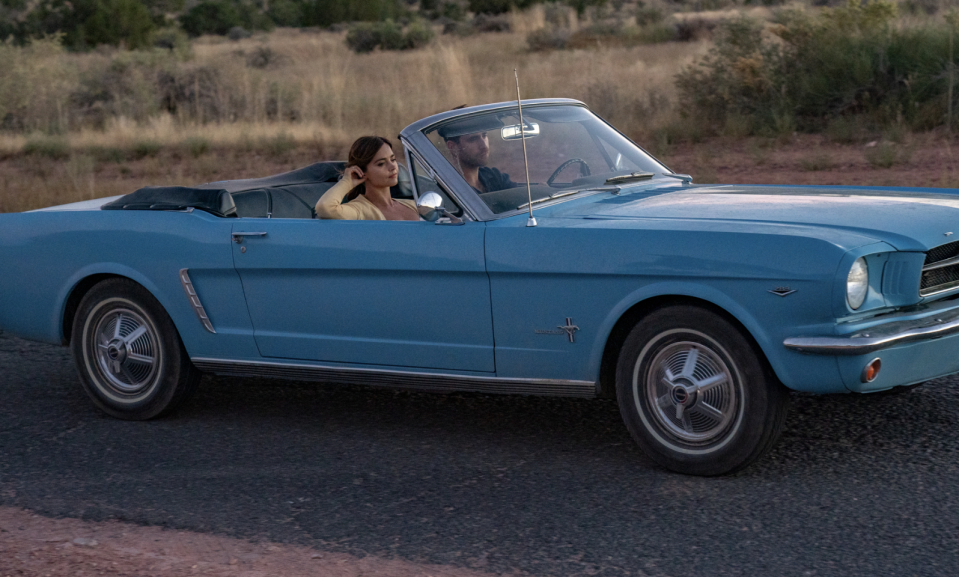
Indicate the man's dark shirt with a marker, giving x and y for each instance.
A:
(492, 180)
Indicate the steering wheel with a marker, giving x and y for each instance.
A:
(583, 169)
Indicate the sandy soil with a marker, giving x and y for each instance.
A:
(918, 160)
(35, 546)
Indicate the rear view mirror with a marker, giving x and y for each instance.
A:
(515, 133)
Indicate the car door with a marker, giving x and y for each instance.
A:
(387, 293)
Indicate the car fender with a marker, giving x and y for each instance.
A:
(677, 289)
(110, 268)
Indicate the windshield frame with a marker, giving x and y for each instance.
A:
(414, 137)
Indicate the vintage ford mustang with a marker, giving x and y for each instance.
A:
(599, 272)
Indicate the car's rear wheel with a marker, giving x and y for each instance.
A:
(696, 394)
(128, 352)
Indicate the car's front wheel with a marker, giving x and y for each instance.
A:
(128, 352)
(695, 393)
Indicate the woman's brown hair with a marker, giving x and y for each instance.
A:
(361, 154)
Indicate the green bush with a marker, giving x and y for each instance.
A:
(328, 12)
(107, 154)
(145, 148)
(210, 17)
(844, 61)
(548, 38)
(279, 145)
(646, 15)
(55, 148)
(84, 24)
(388, 35)
(197, 146)
(885, 154)
(286, 13)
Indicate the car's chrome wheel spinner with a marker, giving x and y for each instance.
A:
(127, 351)
(691, 393)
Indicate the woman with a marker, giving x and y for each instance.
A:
(370, 172)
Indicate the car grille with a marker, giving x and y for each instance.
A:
(940, 271)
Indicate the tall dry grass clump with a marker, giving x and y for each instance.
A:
(312, 86)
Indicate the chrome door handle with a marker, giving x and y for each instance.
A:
(238, 236)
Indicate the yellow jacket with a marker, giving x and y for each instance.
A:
(331, 205)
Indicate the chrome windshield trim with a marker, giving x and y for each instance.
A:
(195, 300)
(396, 379)
(879, 337)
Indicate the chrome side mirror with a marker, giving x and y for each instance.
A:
(430, 207)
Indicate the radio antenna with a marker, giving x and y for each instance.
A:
(522, 133)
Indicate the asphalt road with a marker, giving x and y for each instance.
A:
(856, 485)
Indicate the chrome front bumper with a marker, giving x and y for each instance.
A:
(879, 337)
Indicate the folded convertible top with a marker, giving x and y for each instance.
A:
(215, 201)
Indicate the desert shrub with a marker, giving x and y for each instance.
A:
(388, 35)
(197, 146)
(278, 145)
(85, 24)
(491, 6)
(211, 17)
(263, 57)
(886, 154)
(847, 129)
(145, 148)
(843, 61)
(54, 148)
(238, 33)
(117, 22)
(488, 23)
(690, 29)
(286, 13)
(418, 34)
(646, 15)
(172, 39)
(817, 161)
(107, 154)
(325, 13)
(548, 38)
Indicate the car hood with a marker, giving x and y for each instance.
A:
(908, 219)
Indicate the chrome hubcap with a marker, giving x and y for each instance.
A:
(126, 350)
(691, 392)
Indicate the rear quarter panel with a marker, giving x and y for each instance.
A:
(45, 254)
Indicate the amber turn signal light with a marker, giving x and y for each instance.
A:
(871, 371)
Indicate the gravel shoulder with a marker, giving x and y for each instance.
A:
(33, 545)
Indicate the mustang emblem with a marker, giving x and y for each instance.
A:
(568, 329)
(782, 291)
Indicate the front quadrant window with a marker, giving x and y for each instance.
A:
(569, 148)
(425, 183)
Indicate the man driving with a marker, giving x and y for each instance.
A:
(470, 152)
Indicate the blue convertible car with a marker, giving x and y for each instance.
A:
(696, 306)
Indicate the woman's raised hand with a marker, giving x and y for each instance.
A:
(354, 176)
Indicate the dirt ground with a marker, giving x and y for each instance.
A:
(35, 546)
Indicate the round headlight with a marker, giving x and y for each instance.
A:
(857, 283)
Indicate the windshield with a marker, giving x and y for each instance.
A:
(569, 149)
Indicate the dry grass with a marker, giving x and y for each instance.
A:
(315, 89)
